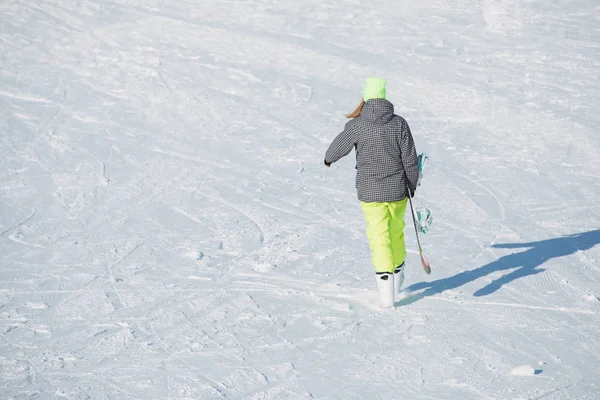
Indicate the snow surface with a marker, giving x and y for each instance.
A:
(524, 370)
(168, 230)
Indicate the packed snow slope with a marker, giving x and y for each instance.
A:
(168, 229)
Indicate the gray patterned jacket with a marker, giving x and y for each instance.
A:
(385, 152)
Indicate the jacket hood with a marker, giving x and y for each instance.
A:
(380, 111)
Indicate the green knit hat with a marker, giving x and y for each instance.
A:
(375, 89)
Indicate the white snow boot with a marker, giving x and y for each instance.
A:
(398, 279)
(385, 286)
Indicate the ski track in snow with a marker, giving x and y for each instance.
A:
(168, 230)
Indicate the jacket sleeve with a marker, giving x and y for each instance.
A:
(408, 151)
(341, 145)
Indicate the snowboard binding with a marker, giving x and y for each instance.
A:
(424, 219)
(421, 162)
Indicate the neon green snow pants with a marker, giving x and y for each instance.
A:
(385, 230)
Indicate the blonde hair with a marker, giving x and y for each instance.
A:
(358, 110)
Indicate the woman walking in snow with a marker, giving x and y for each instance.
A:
(387, 173)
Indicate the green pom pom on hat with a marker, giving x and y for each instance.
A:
(374, 89)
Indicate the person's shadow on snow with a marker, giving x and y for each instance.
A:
(525, 262)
